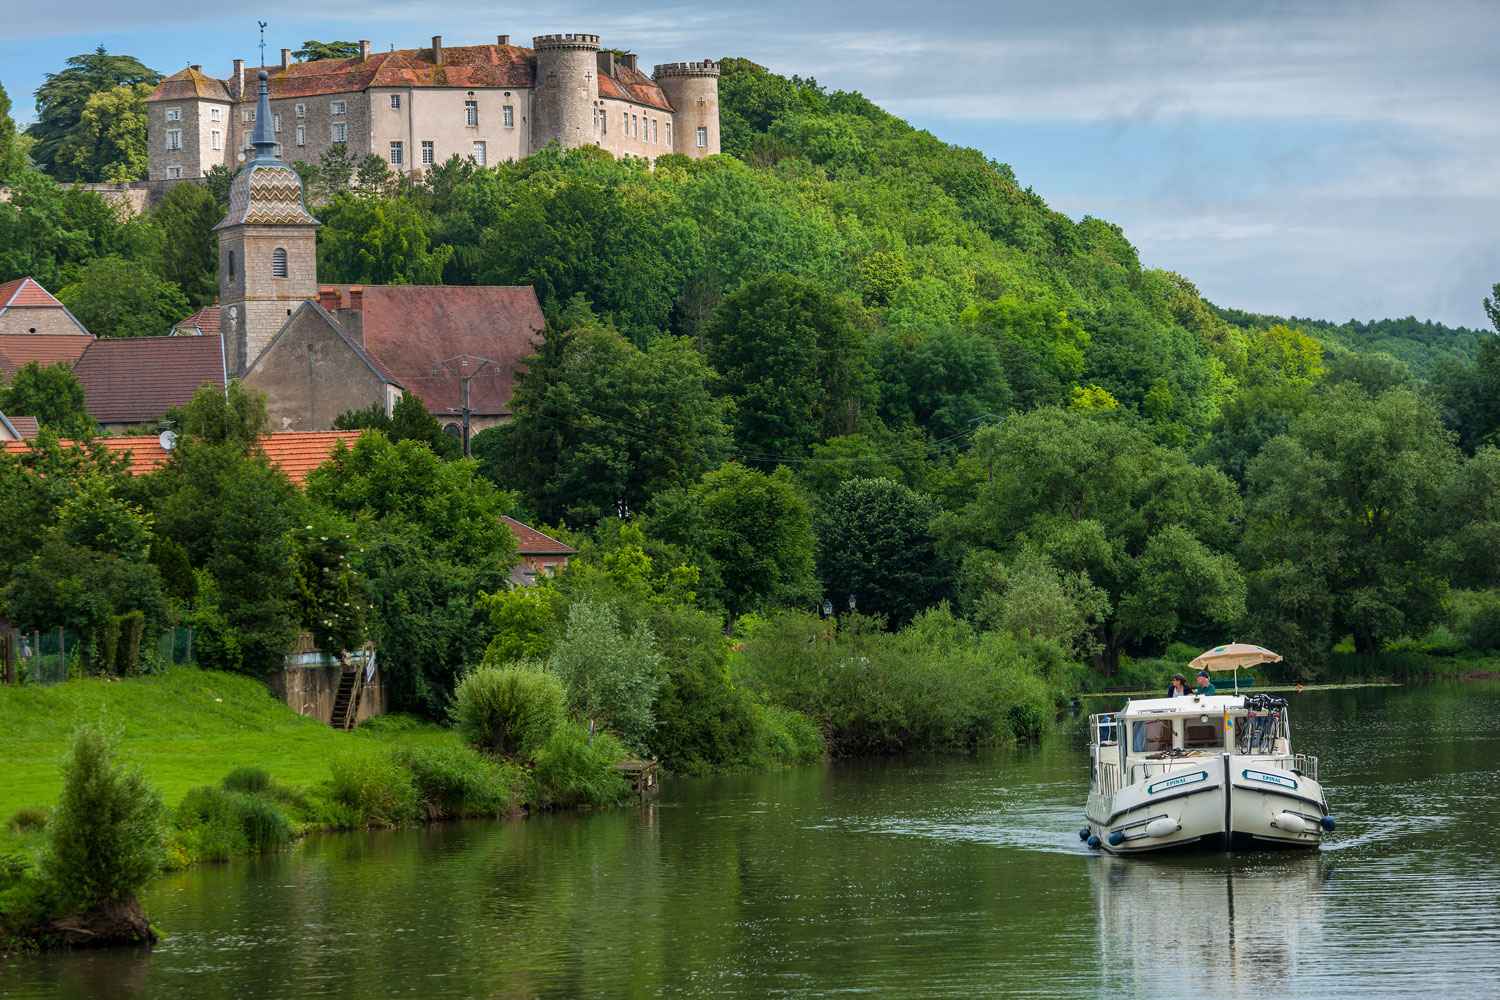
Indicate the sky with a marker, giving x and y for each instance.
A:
(1333, 160)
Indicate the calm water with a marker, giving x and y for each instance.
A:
(905, 877)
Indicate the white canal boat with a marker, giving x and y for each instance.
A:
(1213, 772)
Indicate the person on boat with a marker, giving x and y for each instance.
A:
(1179, 688)
(1205, 686)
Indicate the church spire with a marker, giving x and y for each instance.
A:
(265, 133)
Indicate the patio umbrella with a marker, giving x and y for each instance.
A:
(1233, 656)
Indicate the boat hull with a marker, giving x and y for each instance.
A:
(1226, 803)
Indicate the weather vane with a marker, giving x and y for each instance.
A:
(262, 42)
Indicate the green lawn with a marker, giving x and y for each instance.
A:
(188, 727)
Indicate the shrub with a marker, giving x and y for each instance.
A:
(106, 838)
(508, 710)
(1476, 617)
(248, 778)
(215, 824)
(609, 674)
(377, 788)
(570, 772)
(459, 781)
(28, 819)
(788, 737)
(265, 826)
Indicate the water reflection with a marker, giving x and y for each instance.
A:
(1228, 927)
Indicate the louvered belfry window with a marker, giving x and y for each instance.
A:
(278, 263)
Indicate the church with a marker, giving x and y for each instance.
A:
(318, 350)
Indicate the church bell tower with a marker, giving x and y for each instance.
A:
(267, 248)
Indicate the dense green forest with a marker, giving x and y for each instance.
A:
(845, 361)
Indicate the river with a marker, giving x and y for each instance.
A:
(913, 876)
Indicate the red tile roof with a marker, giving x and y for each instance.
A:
(21, 427)
(128, 379)
(530, 542)
(25, 292)
(187, 84)
(18, 348)
(632, 85)
(462, 66)
(205, 321)
(294, 452)
(411, 328)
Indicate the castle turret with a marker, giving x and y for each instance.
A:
(562, 106)
(267, 247)
(692, 88)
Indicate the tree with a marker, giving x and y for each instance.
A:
(1041, 349)
(610, 674)
(876, 544)
(190, 248)
(234, 416)
(1284, 356)
(600, 426)
(1350, 501)
(376, 241)
(750, 531)
(943, 383)
(12, 149)
(48, 232)
(109, 142)
(1492, 307)
(1144, 525)
(63, 98)
(409, 421)
(52, 394)
(312, 51)
(116, 297)
(335, 169)
(792, 359)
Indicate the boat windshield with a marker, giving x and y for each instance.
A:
(1149, 735)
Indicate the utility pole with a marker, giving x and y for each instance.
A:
(466, 367)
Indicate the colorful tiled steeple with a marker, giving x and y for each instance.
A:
(266, 191)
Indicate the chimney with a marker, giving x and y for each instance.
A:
(606, 63)
(329, 298)
(237, 83)
(629, 60)
(364, 49)
(286, 59)
(352, 319)
(437, 50)
(196, 68)
(357, 297)
(504, 40)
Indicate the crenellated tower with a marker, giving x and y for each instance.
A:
(562, 106)
(268, 262)
(692, 88)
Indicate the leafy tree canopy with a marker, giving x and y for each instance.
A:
(311, 51)
(62, 105)
(116, 297)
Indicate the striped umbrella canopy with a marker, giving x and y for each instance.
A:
(1236, 654)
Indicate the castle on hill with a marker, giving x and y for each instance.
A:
(418, 107)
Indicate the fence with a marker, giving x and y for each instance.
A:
(42, 658)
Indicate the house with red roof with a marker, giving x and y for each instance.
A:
(129, 382)
(296, 453)
(34, 326)
(421, 106)
(17, 428)
(541, 555)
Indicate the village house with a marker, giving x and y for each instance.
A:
(418, 107)
(34, 326)
(131, 382)
(541, 555)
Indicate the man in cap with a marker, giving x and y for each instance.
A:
(1205, 686)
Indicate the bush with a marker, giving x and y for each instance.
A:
(460, 781)
(28, 819)
(1476, 617)
(609, 674)
(508, 710)
(107, 837)
(377, 789)
(570, 772)
(788, 737)
(248, 778)
(215, 824)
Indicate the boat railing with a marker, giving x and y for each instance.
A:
(1307, 764)
(1109, 777)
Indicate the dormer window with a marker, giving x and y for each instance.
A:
(278, 263)
(174, 114)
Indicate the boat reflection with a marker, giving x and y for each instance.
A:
(1232, 925)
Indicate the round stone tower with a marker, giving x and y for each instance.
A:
(562, 106)
(692, 88)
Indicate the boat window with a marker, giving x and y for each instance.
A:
(1202, 735)
(1148, 736)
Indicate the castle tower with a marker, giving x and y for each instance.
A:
(562, 106)
(267, 248)
(692, 88)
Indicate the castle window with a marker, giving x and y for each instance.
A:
(625, 122)
(338, 107)
(395, 102)
(429, 153)
(231, 274)
(702, 137)
(216, 139)
(245, 140)
(247, 114)
(669, 135)
(215, 114)
(479, 152)
(278, 263)
(603, 122)
(635, 126)
(174, 173)
(471, 113)
(396, 153)
(596, 118)
(302, 111)
(507, 116)
(653, 131)
(339, 132)
(174, 114)
(276, 122)
(174, 138)
(302, 135)
(278, 150)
